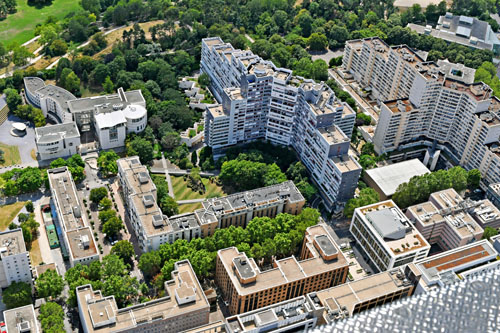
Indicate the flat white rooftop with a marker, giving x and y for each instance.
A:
(389, 177)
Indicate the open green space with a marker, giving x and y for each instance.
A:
(19, 27)
(8, 212)
(188, 208)
(11, 155)
(183, 192)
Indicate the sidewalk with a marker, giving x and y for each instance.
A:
(43, 241)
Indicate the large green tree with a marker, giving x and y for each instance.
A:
(49, 284)
(16, 295)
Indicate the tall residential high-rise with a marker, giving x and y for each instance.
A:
(15, 259)
(427, 104)
(260, 101)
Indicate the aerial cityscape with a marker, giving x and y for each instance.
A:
(256, 166)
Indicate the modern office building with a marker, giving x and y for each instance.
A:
(16, 265)
(21, 320)
(445, 220)
(110, 118)
(260, 101)
(386, 179)
(386, 236)
(153, 228)
(464, 30)
(71, 224)
(294, 315)
(350, 298)
(60, 140)
(246, 288)
(449, 267)
(183, 307)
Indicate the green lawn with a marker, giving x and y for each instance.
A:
(182, 192)
(188, 208)
(11, 155)
(8, 212)
(19, 27)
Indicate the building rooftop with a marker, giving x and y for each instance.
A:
(22, 319)
(61, 95)
(12, 243)
(345, 163)
(436, 267)
(54, 133)
(465, 36)
(247, 277)
(457, 71)
(392, 228)
(109, 119)
(333, 135)
(183, 295)
(389, 177)
(136, 175)
(217, 111)
(278, 315)
(64, 188)
(81, 243)
(33, 83)
(345, 297)
(107, 103)
(40, 269)
(214, 207)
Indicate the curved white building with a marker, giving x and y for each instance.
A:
(110, 117)
(137, 118)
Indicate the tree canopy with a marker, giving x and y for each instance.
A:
(49, 284)
(16, 295)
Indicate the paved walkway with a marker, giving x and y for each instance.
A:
(190, 201)
(167, 177)
(43, 241)
(25, 144)
(180, 172)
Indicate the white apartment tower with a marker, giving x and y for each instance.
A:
(15, 259)
(428, 104)
(261, 101)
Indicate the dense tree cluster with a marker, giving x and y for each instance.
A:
(487, 73)
(20, 181)
(366, 196)
(262, 238)
(111, 222)
(49, 284)
(125, 250)
(111, 276)
(242, 174)
(167, 204)
(7, 7)
(17, 294)
(51, 318)
(97, 194)
(29, 227)
(75, 165)
(419, 188)
(107, 163)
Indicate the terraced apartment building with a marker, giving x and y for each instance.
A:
(259, 101)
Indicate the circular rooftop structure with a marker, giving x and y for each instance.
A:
(134, 112)
(18, 129)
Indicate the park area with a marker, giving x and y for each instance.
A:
(183, 192)
(19, 27)
(11, 155)
(8, 213)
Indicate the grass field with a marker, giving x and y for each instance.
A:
(8, 212)
(182, 192)
(11, 155)
(35, 254)
(19, 27)
(187, 208)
